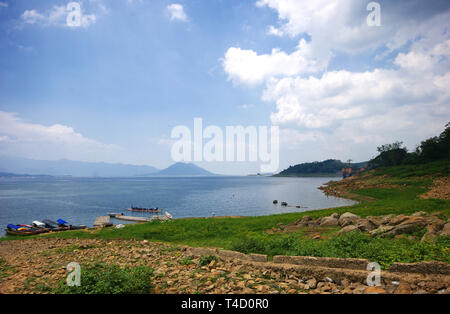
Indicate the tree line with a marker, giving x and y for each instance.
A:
(432, 149)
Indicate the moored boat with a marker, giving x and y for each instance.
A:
(144, 210)
(38, 227)
(24, 230)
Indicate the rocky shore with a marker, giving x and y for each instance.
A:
(28, 264)
(378, 226)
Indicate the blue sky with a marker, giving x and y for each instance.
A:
(112, 89)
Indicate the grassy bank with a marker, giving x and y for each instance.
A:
(385, 191)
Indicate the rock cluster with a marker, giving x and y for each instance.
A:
(177, 270)
(378, 226)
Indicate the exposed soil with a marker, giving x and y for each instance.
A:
(30, 263)
(440, 189)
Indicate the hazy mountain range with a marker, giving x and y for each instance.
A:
(64, 167)
(184, 169)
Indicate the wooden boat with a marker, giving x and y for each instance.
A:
(24, 230)
(38, 227)
(63, 223)
(54, 226)
(144, 210)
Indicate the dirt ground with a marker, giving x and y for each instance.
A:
(440, 189)
(27, 264)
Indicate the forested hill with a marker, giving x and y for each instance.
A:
(330, 167)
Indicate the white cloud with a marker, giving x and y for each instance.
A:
(377, 106)
(177, 12)
(336, 112)
(246, 106)
(246, 66)
(32, 17)
(57, 141)
(341, 25)
(3, 5)
(57, 15)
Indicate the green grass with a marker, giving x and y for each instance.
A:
(106, 279)
(248, 234)
(354, 245)
(436, 168)
(5, 269)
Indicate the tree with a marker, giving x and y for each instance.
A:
(389, 147)
(390, 155)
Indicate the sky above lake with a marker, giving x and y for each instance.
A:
(113, 87)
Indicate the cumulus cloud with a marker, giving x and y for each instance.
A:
(177, 12)
(246, 66)
(326, 101)
(341, 25)
(31, 140)
(32, 17)
(338, 111)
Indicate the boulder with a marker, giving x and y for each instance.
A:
(446, 230)
(385, 220)
(408, 225)
(329, 222)
(365, 225)
(377, 221)
(381, 230)
(419, 214)
(349, 228)
(428, 237)
(304, 221)
(348, 219)
(397, 220)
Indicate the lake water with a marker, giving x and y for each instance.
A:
(81, 200)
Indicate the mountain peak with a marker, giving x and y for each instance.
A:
(184, 169)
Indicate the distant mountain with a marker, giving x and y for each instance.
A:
(14, 175)
(330, 167)
(65, 167)
(184, 169)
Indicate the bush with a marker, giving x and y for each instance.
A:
(351, 245)
(110, 279)
(206, 260)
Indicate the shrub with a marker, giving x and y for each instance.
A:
(206, 260)
(110, 279)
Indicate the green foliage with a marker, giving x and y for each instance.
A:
(432, 149)
(435, 148)
(110, 279)
(5, 269)
(435, 168)
(393, 157)
(206, 260)
(390, 147)
(352, 245)
(327, 167)
(185, 261)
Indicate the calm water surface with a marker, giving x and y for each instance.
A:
(80, 200)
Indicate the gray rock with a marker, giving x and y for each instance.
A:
(347, 219)
(329, 222)
(446, 230)
(349, 228)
